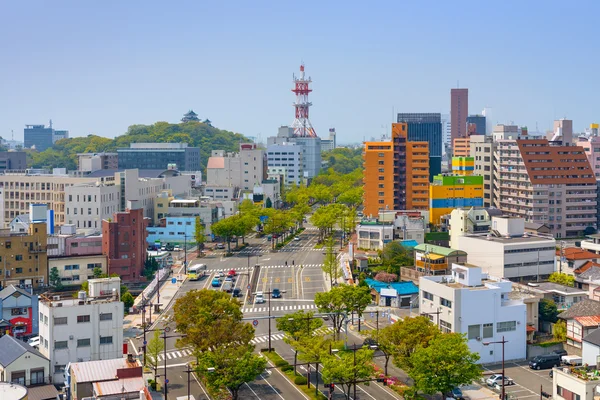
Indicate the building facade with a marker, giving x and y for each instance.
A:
(124, 243)
(437, 260)
(426, 127)
(482, 150)
(479, 122)
(407, 187)
(449, 192)
(41, 137)
(22, 364)
(74, 270)
(23, 258)
(463, 166)
(286, 159)
(89, 162)
(477, 305)
(19, 310)
(86, 328)
(547, 184)
(329, 144)
(13, 160)
(159, 156)
(87, 204)
(461, 147)
(459, 111)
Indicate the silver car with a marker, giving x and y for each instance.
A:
(496, 379)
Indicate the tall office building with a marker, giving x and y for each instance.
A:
(459, 111)
(159, 156)
(482, 149)
(407, 186)
(310, 147)
(479, 122)
(446, 135)
(426, 127)
(41, 137)
(544, 183)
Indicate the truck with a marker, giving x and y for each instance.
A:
(571, 360)
(227, 286)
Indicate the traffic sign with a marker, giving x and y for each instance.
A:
(167, 329)
(248, 287)
(173, 280)
(255, 322)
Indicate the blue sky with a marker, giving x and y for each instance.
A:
(98, 67)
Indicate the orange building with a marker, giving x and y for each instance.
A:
(461, 147)
(396, 173)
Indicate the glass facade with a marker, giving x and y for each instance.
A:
(426, 127)
(38, 136)
(186, 159)
(479, 121)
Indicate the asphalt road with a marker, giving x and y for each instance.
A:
(294, 269)
(527, 381)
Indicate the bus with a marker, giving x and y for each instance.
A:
(196, 272)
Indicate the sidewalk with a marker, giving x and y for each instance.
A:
(132, 323)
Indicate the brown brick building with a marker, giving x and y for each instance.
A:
(124, 243)
(23, 259)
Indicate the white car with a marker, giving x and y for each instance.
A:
(296, 238)
(177, 248)
(496, 379)
(259, 298)
(34, 342)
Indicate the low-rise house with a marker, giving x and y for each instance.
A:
(592, 243)
(581, 318)
(575, 257)
(120, 377)
(574, 384)
(591, 348)
(564, 296)
(22, 364)
(586, 274)
(437, 260)
(393, 294)
(19, 310)
(471, 302)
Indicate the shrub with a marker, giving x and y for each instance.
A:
(300, 380)
(287, 368)
(281, 363)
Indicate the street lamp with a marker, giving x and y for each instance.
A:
(503, 376)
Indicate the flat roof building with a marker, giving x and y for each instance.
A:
(159, 156)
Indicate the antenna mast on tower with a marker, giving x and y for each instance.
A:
(302, 126)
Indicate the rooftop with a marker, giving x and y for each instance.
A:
(100, 370)
(593, 337)
(402, 288)
(558, 288)
(143, 173)
(593, 320)
(45, 392)
(11, 349)
(443, 251)
(119, 386)
(576, 253)
(527, 238)
(584, 308)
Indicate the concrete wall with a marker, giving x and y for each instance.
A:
(533, 350)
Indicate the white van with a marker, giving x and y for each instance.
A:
(34, 342)
(259, 298)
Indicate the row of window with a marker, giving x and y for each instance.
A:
(64, 344)
(80, 318)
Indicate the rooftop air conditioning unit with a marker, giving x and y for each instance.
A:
(55, 297)
(58, 304)
(70, 337)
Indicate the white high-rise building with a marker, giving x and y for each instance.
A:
(446, 132)
(310, 147)
(86, 328)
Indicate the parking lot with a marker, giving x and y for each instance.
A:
(528, 382)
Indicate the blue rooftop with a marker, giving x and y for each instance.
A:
(409, 244)
(402, 288)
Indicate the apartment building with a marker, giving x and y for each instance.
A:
(478, 305)
(426, 127)
(23, 259)
(18, 312)
(87, 204)
(546, 184)
(591, 146)
(286, 159)
(448, 192)
(468, 221)
(508, 252)
(90, 162)
(243, 170)
(124, 243)
(463, 166)
(396, 173)
(482, 149)
(86, 328)
(461, 147)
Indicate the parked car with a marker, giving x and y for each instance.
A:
(560, 352)
(177, 248)
(237, 292)
(228, 285)
(544, 361)
(232, 273)
(456, 393)
(229, 279)
(276, 293)
(220, 246)
(496, 379)
(259, 298)
(216, 282)
(218, 275)
(296, 238)
(369, 342)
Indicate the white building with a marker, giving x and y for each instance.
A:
(329, 144)
(310, 148)
(83, 329)
(286, 159)
(508, 252)
(474, 220)
(471, 302)
(87, 204)
(570, 386)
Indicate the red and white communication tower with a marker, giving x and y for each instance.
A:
(302, 126)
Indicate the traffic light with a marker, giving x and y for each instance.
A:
(332, 387)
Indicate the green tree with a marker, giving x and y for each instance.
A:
(268, 203)
(97, 272)
(227, 228)
(443, 365)
(297, 325)
(345, 369)
(128, 301)
(357, 298)
(199, 233)
(230, 367)
(54, 279)
(548, 310)
(559, 330)
(335, 305)
(562, 278)
(395, 255)
(210, 319)
(154, 347)
(331, 265)
(386, 343)
(408, 335)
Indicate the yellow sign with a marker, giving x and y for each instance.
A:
(290, 280)
(307, 279)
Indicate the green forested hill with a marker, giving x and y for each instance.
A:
(197, 134)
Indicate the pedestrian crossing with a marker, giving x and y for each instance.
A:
(173, 354)
(282, 250)
(293, 307)
(267, 266)
(280, 336)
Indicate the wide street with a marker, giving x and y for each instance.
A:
(295, 270)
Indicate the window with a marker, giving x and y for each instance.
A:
(18, 377)
(488, 330)
(59, 369)
(83, 318)
(19, 270)
(106, 339)
(445, 303)
(445, 327)
(36, 376)
(506, 326)
(19, 257)
(427, 295)
(60, 345)
(71, 267)
(83, 342)
(106, 317)
(60, 320)
(474, 331)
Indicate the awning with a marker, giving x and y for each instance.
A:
(435, 256)
(530, 328)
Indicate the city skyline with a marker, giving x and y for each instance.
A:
(102, 74)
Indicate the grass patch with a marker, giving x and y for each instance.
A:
(288, 371)
(548, 343)
(319, 245)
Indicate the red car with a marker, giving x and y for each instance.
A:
(232, 273)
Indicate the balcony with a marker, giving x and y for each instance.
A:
(36, 250)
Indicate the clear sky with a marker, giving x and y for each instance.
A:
(100, 66)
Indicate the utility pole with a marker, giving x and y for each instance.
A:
(562, 255)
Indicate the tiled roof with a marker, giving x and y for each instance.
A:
(584, 267)
(593, 320)
(46, 392)
(584, 308)
(9, 290)
(11, 349)
(118, 386)
(592, 273)
(100, 370)
(576, 253)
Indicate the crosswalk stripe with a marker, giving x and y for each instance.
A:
(178, 354)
